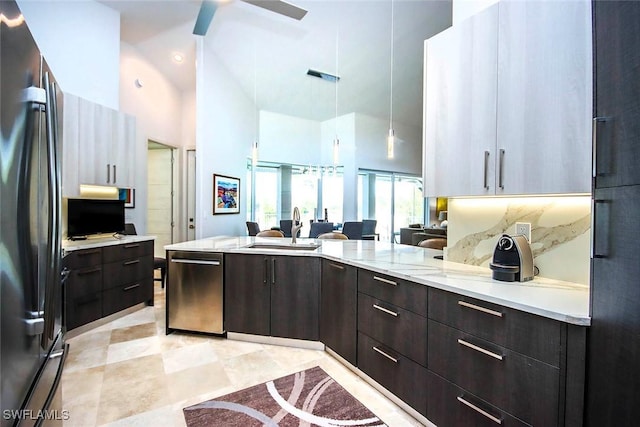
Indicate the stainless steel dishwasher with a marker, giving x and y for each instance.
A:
(195, 292)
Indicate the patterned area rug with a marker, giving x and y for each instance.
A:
(306, 398)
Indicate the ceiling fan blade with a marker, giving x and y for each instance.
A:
(205, 15)
(281, 7)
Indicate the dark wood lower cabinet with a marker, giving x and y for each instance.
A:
(273, 295)
(105, 280)
(338, 307)
(398, 374)
(451, 406)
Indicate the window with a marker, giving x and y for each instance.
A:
(274, 189)
(394, 200)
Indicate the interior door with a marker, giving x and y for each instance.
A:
(160, 206)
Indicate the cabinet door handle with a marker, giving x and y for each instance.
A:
(91, 271)
(594, 141)
(132, 245)
(486, 170)
(108, 173)
(478, 308)
(265, 277)
(393, 359)
(600, 247)
(114, 174)
(480, 349)
(87, 253)
(383, 280)
(339, 267)
(501, 170)
(135, 261)
(273, 271)
(384, 310)
(128, 288)
(479, 410)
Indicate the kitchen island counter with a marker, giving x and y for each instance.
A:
(564, 301)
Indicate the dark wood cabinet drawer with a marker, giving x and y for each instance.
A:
(127, 271)
(125, 296)
(525, 333)
(127, 251)
(399, 329)
(401, 376)
(520, 385)
(401, 293)
(83, 258)
(451, 406)
(82, 309)
(85, 281)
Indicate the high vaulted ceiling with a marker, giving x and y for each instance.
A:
(270, 54)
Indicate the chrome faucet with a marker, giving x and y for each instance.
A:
(296, 225)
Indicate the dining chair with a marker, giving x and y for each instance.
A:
(318, 228)
(270, 233)
(435, 243)
(369, 229)
(253, 228)
(333, 235)
(353, 229)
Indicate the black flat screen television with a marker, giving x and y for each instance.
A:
(92, 216)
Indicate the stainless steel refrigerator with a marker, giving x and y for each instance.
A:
(32, 348)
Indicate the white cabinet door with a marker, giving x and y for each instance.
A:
(99, 146)
(544, 97)
(123, 150)
(460, 108)
(70, 146)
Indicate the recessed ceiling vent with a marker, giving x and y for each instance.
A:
(323, 75)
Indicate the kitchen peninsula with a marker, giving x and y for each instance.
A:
(443, 339)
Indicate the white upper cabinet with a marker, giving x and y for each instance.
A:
(460, 107)
(98, 146)
(539, 110)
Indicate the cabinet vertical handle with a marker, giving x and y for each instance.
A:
(385, 354)
(265, 277)
(273, 271)
(486, 170)
(501, 170)
(594, 141)
(108, 173)
(600, 247)
(114, 174)
(479, 410)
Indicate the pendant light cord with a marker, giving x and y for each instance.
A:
(391, 73)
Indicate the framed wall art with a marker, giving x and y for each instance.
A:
(226, 195)
(128, 195)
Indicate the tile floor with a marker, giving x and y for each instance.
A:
(129, 373)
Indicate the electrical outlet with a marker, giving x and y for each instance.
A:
(524, 228)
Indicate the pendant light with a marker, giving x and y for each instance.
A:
(391, 134)
(336, 141)
(254, 148)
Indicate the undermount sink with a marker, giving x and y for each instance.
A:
(286, 246)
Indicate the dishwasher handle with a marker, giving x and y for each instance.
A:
(195, 261)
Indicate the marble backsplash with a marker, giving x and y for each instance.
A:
(560, 232)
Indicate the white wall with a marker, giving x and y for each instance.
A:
(287, 139)
(224, 135)
(463, 9)
(81, 43)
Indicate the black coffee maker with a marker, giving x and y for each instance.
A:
(512, 259)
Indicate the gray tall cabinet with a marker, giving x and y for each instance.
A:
(613, 366)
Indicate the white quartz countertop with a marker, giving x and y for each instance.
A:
(555, 299)
(99, 242)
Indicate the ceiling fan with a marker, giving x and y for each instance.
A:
(208, 9)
